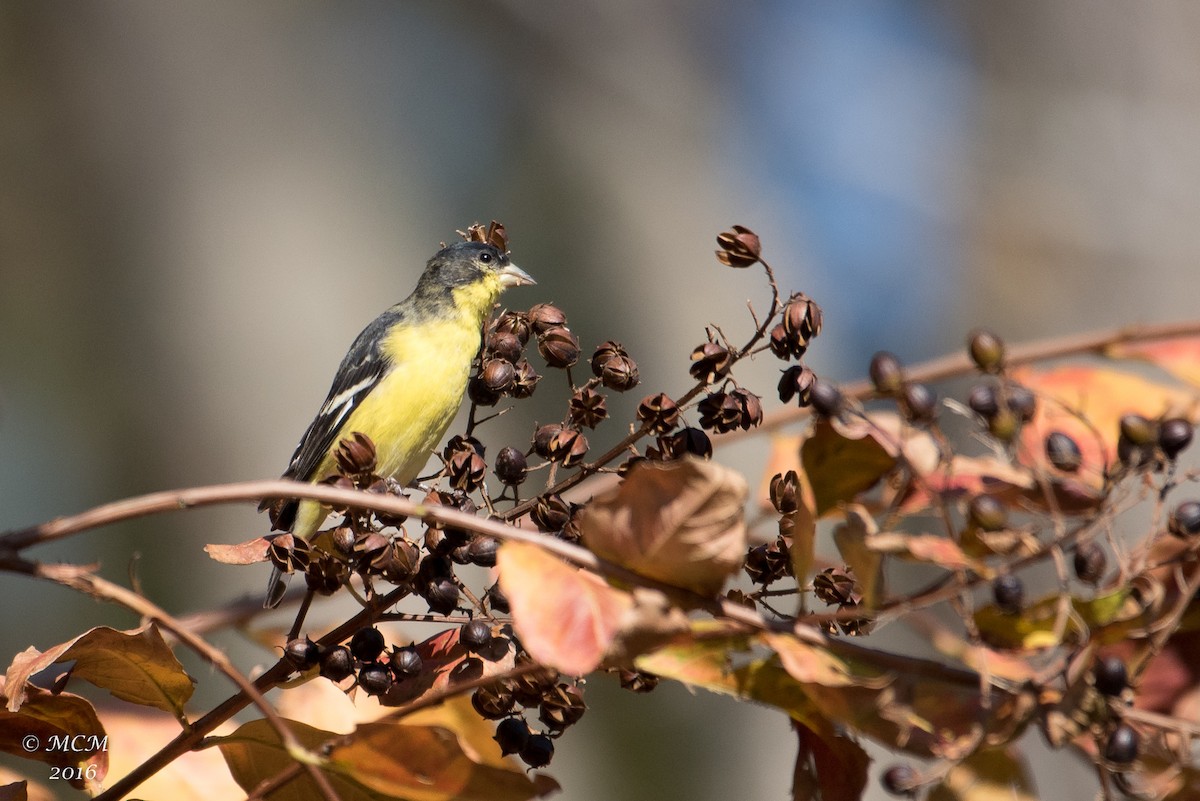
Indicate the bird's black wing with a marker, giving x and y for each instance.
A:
(363, 367)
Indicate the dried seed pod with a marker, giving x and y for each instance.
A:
(887, 374)
(512, 735)
(497, 375)
(1089, 562)
(983, 401)
(466, 470)
(542, 438)
(401, 561)
(478, 392)
(493, 702)
(367, 644)
(325, 575)
(1063, 452)
(797, 382)
(785, 492)
(337, 663)
(710, 361)
(406, 662)
(545, 316)
(510, 466)
(302, 653)
(1021, 401)
(551, 513)
(750, 413)
(375, 679)
(827, 400)
(496, 600)
(525, 381)
(801, 324)
(441, 595)
(739, 247)
(987, 350)
(559, 347)
(515, 323)
(562, 706)
(587, 408)
(504, 345)
(355, 455)
(1174, 435)
(919, 402)
(719, 411)
(659, 411)
(637, 681)
(686, 440)
(568, 447)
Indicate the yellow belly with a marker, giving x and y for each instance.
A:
(407, 414)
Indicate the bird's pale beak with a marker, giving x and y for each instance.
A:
(512, 275)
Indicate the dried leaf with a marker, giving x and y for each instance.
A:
(244, 553)
(566, 618)
(1101, 396)
(1179, 356)
(45, 718)
(135, 666)
(867, 563)
(678, 522)
(839, 763)
(928, 548)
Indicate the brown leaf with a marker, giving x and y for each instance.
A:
(565, 617)
(929, 548)
(840, 462)
(840, 765)
(679, 522)
(867, 563)
(135, 666)
(244, 553)
(45, 719)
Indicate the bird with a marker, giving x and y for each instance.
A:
(402, 381)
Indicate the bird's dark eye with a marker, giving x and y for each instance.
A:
(485, 257)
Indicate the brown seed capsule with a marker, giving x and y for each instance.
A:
(637, 681)
(987, 350)
(720, 412)
(749, 408)
(551, 513)
(542, 438)
(559, 347)
(659, 411)
(504, 345)
(325, 575)
(402, 561)
(781, 343)
(686, 440)
(510, 466)
(739, 247)
(497, 375)
(833, 586)
(289, 553)
(587, 408)
(797, 382)
(710, 361)
(785, 489)
(355, 455)
(569, 446)
(480, 395)
(545, 316)
(886, 373)
(515, 323)
(802, 317)
(613, 366)
(561, 707)
(525, 381)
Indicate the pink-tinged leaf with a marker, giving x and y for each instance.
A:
(928, 548)
(1086, 403)
(565, 617)
(1179, 356)
(243, 553)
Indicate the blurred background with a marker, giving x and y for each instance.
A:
(201, 205)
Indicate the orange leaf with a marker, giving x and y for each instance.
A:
(1179, 356)
(1101, 396)
(565, 617)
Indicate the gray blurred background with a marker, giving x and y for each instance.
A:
(201, 205)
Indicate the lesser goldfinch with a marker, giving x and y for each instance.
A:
(403, 379)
